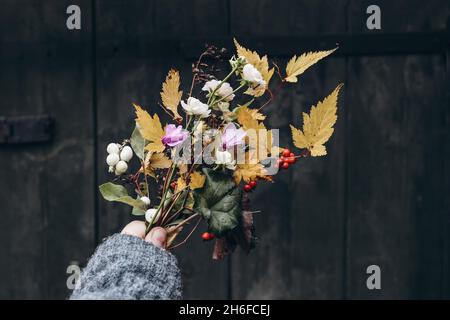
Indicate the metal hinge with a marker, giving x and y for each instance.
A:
(26, 129)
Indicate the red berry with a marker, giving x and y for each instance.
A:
(247, 188)
(291, 154)
(282, 158)
(252, 184)
(285, 165)
(290, 160)
(173, 185)
(286, 153)
(207, 236)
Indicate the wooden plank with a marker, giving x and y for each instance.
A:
(395, 211)
(123, 80)
(300, 254)
(47, 199)
(445, 133)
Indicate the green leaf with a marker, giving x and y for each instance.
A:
(137, 143)
(118, 193)
(219, 202)
(137, 212)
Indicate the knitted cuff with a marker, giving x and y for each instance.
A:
(127, 267)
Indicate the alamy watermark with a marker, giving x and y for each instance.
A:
(374, 280)
(73, 21)
(374, 20)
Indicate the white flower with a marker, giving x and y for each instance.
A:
(150, 215)
(225, 91)
(195, 107)
(225, 158)
(126, 154)
(251, 74)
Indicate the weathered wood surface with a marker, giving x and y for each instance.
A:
(379, 197)
(47, 196)
(396, 213)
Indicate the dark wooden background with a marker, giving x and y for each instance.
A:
(379, 197)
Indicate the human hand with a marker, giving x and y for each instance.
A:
(157, 236)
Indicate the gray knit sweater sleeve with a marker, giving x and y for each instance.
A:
(127, 267)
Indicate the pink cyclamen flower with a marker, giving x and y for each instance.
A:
(174, 135)
(232, 136)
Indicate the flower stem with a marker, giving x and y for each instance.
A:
(234, 91)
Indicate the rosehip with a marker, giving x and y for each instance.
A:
(113, 148)
(247, 188)
(121, 167)
(145, 200)
(112, 159)
(252, 184)
(285, 165)
(126, 154)
(286, 153)
(150, 214)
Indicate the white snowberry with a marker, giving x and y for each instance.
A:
(126, 154)
(150, 214)
(113, 148)
(121, 167)
(145, 200)
(112, 159)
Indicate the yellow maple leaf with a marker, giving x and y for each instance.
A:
(257, 115)
(251, 169)
(248, 119)
(155, 161)
(197, 180)
(171, 93)
(182, 168)
(260, 139)
(261, 64)
(317, 125)
(150, 129)
(181, 185)
(297, 65)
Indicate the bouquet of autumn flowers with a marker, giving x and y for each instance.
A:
(204, 163)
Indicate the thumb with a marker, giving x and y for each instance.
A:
(157, 236)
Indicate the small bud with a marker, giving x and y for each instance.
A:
(112, 159)
(121, 167)
(113, 148)
(145, 200)
(111, 169)
(150, 214)
(126, 154)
